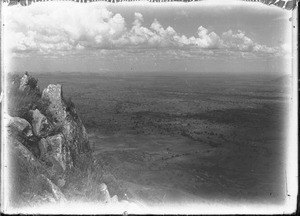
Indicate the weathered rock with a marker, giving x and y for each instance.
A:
(28, 82)
(114, 199)
(72, 128)
(40, 124)
(104, 195)
(77, 140)
(24, 82)
(22, 168)
(61, 182)
(25, 170)
(55, 151)
(49, 192)
(61, 144)
(41, 199)
(23, 154)
(21, 130)
(57, 107)
(19, 126)
(49, 186)
(43, 147)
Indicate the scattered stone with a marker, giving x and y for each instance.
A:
(43, 198)
(48, 197)
(114, 199)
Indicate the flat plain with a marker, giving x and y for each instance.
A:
(184, 137)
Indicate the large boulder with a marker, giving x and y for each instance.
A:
(55, 152)
(22, 168)
(76, 139)
(26, 183)
(40, 124)
(57, 107)
(21, 130)
(19, 127)
(23, 154)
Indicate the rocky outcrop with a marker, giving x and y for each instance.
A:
(21, 130)
(75, 137)
(40, 124)
(19, 127)
(22, 153)
(28, 83)
(47, 146)
(54, 94)
(55, 152)
(28, 185)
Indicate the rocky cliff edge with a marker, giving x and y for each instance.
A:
(46, 142)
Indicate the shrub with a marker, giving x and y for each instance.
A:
(32, 83)
(21, 102)
(70, 108)
(69, 103)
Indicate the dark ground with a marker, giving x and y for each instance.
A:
(179, 137)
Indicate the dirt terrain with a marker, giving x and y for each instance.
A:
(185, 137)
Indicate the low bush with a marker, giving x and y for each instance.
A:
(21, 102)
(70, 108)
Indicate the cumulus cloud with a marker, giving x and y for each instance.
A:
(75, 27)
(239, 41)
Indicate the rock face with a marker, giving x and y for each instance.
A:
(46, 147)
(24, 170)
(76, 142)
(21, 130)
(54, 94)
(40, 124)
(55, 151)
(19, 126)
(21, 152)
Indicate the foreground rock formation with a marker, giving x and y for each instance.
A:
(46, 140)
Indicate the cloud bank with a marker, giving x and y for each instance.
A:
(66, 28)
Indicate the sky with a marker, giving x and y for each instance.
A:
(208, 36)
